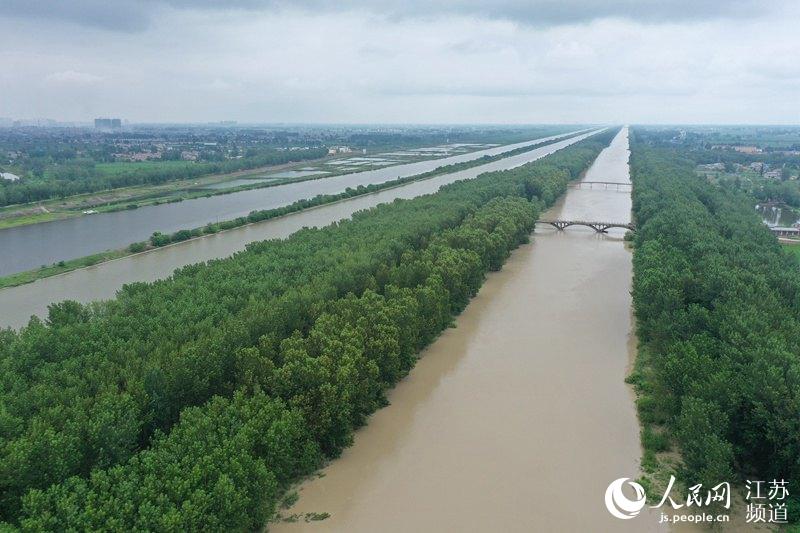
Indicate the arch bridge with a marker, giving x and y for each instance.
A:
(598, 226)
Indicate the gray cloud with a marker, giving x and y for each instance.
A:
(121, 15)
(556, 12)
(392, 61)
(133, 15)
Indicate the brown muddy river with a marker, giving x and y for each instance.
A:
(518, 418)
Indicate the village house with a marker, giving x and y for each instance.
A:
(333, 150)
(9, 176)
(747, 149)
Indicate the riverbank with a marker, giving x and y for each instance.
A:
(161, 240)
(716, 320)
(103, 281)
(490, 430)
(284, 349)
(146, 195)
(120, 198)
(44, 244)
(65, 267)
(137, 196)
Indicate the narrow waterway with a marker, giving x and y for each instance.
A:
(100, 282)
(519, 418)
(28, 247)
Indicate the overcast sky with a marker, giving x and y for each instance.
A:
(402, 61)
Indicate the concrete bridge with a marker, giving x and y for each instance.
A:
(602, 184)
(785, 232)
(603, 227)
(599, 227)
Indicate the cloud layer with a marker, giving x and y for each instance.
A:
(392, 61)
(135, 15)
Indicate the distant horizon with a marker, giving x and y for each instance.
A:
(235, 123)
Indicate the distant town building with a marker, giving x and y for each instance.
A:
(333, 150)
(785, 231)
(34, 123)
(138, 156)
(773, 174)
(9, 176)
(748, 149)
(107, 123)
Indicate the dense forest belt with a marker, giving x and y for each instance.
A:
(159, 239)
(192, 402)
(717, 304)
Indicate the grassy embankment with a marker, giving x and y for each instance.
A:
(61, 267)
(140, 196)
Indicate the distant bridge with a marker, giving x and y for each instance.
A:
(785, 232)
(604, 184)
(776, 203)
(599, 227)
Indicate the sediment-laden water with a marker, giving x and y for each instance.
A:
(519, 418)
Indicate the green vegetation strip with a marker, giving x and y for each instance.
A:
(106, 187)
(158, 240)
(85, 177)
(717, 303)
(174, 196)
(61, 267)
(193, 403)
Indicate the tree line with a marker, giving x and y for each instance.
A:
(192, 402)
(159, 239)
(717, 304)
(80, 177)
